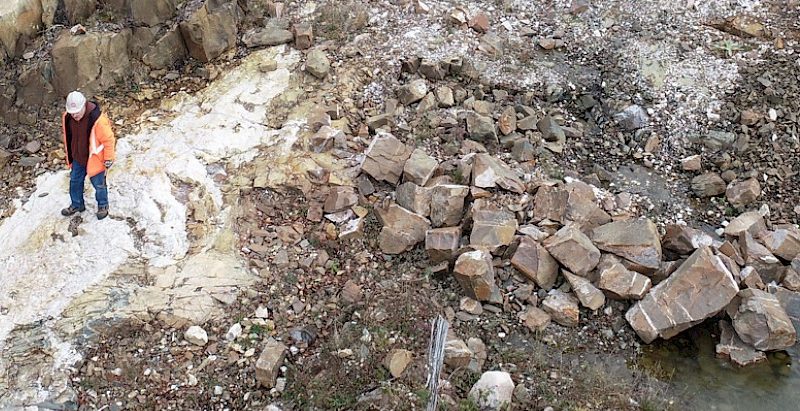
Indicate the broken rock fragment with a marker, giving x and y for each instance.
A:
(699, 289)
(492, 229)
(761, 321)
(442, 243)
(532, 260)
(550, 203)
(562, 307)
(488, 172)
(475, 272)
(589, 296)
(402, 229)
(481, 128)
(784, 243)
(419, 168)
(573, 250)
(385, 158)
(684, 240)
(269, 363)
(493, 391)
(447, 204)
(623, 283)
(751, 221)
(412, 92)
(634, 240)
(708, 185)
(339, 199)
(743, 193)
(731, 346)
(535, 319)
(415, 198)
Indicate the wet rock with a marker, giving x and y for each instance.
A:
(632, 118)
(419, 168)
(303, 35)
(562, 308)
(550, 203)
(196, 335)
(412, 92)
(623, 283)
(508, 121)
(340, 198)
(708, 185)
(761, 321)
(784, 243)
(731, 346)
(414, 198)
(535, 319)
(751, 222)
(589, 296)
(269, 363)
(481, 128)
(385, 158)
(743, 193)
(692, 163)
(699, 289)
(318, 64)
(475, 273)
(573, 250)
(211, 30)
(493, 391)
(267, 37)
(442, 243)
(447, 204)
(492, 229)
(533, 260)
(402, 229)
(397, 360)
(488, 172)
(684, 240)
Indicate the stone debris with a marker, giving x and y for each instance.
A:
(493, 391)
(318, 64)
(533, 260)
(535, 319)
(692, 163)
(573, 250)
(632, 118)
(684, 240)
(269, 363)
(492, 229)
(340, 199)
(743, 193)
(397, 360)
(385, 158)
(447, 204)
(442, 243)
(589, 296)
(784, 243)
(699, 289)
(489, 172)
(708, 185)
(562, 308)
(419, 168)
(635, 240)
(761, 321)
(412, 92)
(623, 283)
(481, 128)
(475, 272)
(751, 222)
(402, 229)
(456, 352)
(750, 278)
(196, 335)
(414, 198)
(732, 347)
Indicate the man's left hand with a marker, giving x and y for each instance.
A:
(108, 163)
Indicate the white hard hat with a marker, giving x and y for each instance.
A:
(75, 102)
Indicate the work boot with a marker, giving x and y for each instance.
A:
(102, 212)
(72, 210)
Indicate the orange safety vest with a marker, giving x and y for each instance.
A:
(101, 144)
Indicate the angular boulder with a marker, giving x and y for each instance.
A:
(562, 308)
(582, 207)
(751, 222)
(550, 203)
(104, 61)
(684, 240)
(740, 194)
(166, 51)
(414, 198)
(732, 347)
(700, 288)
(412, 92)
(475, 273)
(339, 199)
(385, 158)
(532, 260)
(589, 296)
(708, 185)
(442, 243)
(573, 250)
(269, 363)
(635, 240)
(447, 204)
(623, 283)
(419, 168)
(492, 229)
(761, 321)
(481, 128)
(267, 37)
(211, 30)
(318, 64)
(402, 229)
(535, 319)
(488, 172)
(783, 243)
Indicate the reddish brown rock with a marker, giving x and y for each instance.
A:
(562, 308)
(419, 168)
(339, 199)
(623, 283)
(535, 319)
(442, 243)
(488, 172)
(684, 240)
(589, 296)
(385, 158)
(402, 229)
(582, 206)
(508, 121)
(761, 321)
(708, 185)
(742, 193)
(635, 240)
(732, 347)
(784, 243)
(532, 260)
(475, 273)
(415, 198)
(447, 204)
(751, 221)
(492, 229)
(573, 250)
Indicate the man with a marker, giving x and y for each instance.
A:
(89, 144)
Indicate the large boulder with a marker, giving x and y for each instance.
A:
(624, 284)
(742, 193)
(475, 272)
(385, 158)
(684, 240)
(415, 198)
(92, 62)
(20, 20)
(634, 240)
(699, 289)
(550, 203)
(211, 30)
(492, 229)
(784, 243)
(402, 229)
(573, 250)
(582, 207)
(532, 260)
(488, 172)
(761, 321)
(420, 167)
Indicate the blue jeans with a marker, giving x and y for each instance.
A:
(77, 177)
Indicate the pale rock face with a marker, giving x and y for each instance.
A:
(493, 391)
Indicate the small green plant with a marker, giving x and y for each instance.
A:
(729, 47)
(335, 268)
